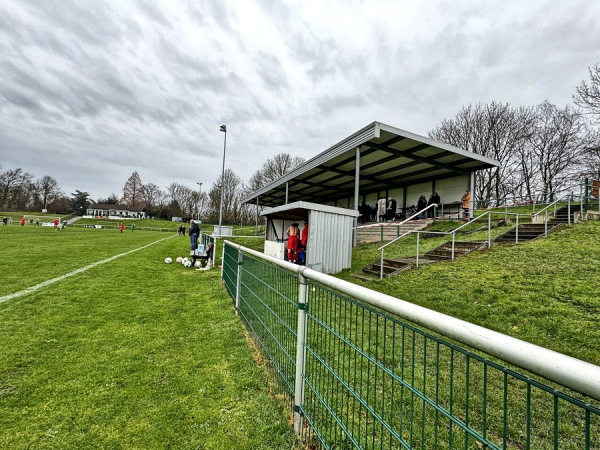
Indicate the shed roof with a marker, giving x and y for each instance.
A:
(389, 158)
(299, 210)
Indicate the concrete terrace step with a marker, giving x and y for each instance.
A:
(526, 232)
(387, 231)
(444, 251)
(390, 267)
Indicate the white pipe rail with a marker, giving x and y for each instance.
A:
(487, 214)
(567, 371)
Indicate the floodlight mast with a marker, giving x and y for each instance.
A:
(222, 128)
(199, 199)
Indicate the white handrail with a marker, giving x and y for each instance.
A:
(452, 232)
(570, 372)
(418, 213)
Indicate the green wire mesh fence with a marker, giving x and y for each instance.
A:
(374, 381)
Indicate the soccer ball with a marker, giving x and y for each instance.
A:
(187, 263)
(168, 260)
(179, 259)
(198, 263)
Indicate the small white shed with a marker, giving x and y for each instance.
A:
(329, 244)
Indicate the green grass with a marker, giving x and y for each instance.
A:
(132, 353)
(544, 292)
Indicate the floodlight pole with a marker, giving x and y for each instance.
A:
(199, 199)
(222, 128)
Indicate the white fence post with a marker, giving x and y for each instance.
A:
(300, 352)
(489, 229)
(417, 258)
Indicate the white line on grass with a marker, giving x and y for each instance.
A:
(75, 272)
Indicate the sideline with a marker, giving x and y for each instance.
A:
(75, 272)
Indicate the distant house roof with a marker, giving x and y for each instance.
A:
(107, 206)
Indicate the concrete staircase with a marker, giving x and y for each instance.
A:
(387, 231)
(390, 267)
(394, 266)
(532, 231)
(562, 215)
(444, 251)
(525, 232)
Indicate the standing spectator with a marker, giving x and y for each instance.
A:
(365, 213)
(304, 239)
(37, 222)
(421, 205)
(466, 203)
(23, 220)
(55, 222)
(121, 228)
(293, 233)
(194, 233)
(4, 221)
(381, 209)
(132, 226)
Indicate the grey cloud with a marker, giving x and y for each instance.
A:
(21, 100)
(330, 105)
(272, 73)
(154, 13)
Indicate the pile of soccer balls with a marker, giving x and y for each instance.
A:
(185, 261)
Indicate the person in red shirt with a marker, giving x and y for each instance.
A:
(55, 222)
(293, 233)
(304, 234)
(121, 228)
(23, 221)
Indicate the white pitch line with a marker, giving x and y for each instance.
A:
(75, 272)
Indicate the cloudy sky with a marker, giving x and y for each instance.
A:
(93, 90)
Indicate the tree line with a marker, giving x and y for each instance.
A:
(542, 149)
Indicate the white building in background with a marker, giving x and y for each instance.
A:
(112, 211)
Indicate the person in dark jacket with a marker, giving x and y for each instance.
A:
(433, 200)
(421, 205)
(194, 233)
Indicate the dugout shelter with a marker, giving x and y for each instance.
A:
(330, 236)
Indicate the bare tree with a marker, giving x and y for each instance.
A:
(588, 95)
(132, 191)
(15, 186)
(495, 130)
(231, 196)
(560, 140)
(273, 169)
(150, 195)
(48, 190)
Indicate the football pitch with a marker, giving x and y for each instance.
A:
(103, 345)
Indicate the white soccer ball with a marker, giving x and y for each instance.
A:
(198, 263)
(179, 259)
(168, 260)
(187, 263)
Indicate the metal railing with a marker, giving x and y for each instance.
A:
(542, 216)
(487, 214)
(366, 370)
